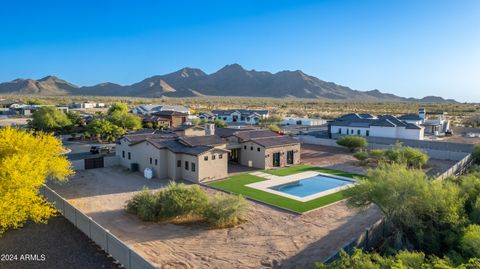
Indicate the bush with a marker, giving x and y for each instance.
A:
(145, 205)
(470, 241)
(414, 157)
(226, 210)
(352, 142)
(362, 156)
(274, 128)
(180, 200)
(377, 154)
(476, 154)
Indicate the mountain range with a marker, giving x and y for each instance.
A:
(231, 80)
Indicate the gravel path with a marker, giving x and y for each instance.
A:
(63, 247)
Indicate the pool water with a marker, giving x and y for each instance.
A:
(311, 185)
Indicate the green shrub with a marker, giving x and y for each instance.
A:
(352, 142)
(361, 155)
(226, 210)
(274, 128)
(377, 154)
(470, 241)
(476, 154)
(414, 157)
(145, 205)
(178, 200)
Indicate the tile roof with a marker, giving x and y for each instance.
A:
(270, 142)
(170, 113)
(252, 134)
(245, 112)
(208, 140)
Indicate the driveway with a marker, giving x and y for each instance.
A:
(269, 238)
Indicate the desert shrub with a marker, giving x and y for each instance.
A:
(470, 241)
(145, 205)
(178, 200)
(362, 156)
(274, 128)
(352, 142)
(377, 154)
(226, 210)
(476, 154)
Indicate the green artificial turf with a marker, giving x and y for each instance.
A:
(236, 184)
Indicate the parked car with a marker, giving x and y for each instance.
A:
(101, 149)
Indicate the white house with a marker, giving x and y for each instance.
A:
(149, 109)
(303, 121)
(369, 125)
(242, 116)
(435, 123)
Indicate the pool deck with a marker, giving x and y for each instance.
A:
(280, 180)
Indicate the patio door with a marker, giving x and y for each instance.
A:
(233, 155)
(276, 159)
(290, 157)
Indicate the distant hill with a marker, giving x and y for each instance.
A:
(231, 80)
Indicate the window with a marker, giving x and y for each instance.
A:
(151, 161)
(340, 130)
(258, 149)
(251, 148)
(156, 161)
(193, 167)
(129, 156)
(367, 132)
(186, 165)
(205, 158)
(213, 156)
(220, 156)
(244, 147)
(290, 157)
(358, 132)
(179, 163)
(123, 154)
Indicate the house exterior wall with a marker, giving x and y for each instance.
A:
(212, 168)
(193, 132)
(283, 155)
(378, 131)
(251, 156)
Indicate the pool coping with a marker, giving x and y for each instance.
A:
(280, 180)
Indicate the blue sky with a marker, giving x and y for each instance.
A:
(409, 48)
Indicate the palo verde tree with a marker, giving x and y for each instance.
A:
(119, 116)
(427, 215)
(26, 161)
(49, 118)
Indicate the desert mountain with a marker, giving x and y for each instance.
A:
(231, 80)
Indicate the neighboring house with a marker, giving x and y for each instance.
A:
(435, 123)
(208, 116)
(27, 110)
(150, 109)
(369, 125)
(201, 154)
(241, 116)
(157, 121)
(86, 105)
(175, 119)
(5, 105)
(303, 121)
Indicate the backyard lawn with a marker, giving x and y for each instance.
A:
(236, 184)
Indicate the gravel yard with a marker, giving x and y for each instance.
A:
(269, 238)
(63, 245)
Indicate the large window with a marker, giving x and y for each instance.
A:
(151, 160)
(186, 165)
(193, 167)
(179, 163)
(213, 157)
(123, 154)
(367, 132)
(129, 156)
(276, 159)
(340, 130)
(358, 132)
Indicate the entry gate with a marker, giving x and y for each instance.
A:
(93, 163)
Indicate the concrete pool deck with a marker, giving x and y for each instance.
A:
(274, 180)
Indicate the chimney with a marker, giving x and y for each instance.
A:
(422, 113)
(209, 129)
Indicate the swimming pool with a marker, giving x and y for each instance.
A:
(312, 185)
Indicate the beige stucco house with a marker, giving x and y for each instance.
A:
(201, 154)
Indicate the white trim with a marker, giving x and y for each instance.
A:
(278, 180)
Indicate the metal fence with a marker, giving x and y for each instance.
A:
(366, 241)
(457, 169)
(101, 236)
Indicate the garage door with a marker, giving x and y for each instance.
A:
(94, 163)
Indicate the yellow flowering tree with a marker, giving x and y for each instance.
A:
(26, 161)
